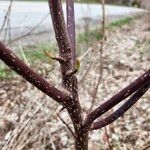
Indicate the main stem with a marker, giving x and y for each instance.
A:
(69, 82)
(81, 141)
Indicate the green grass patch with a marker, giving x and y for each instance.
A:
(6, 73)
(36, 53)
(87, 37)
(120, 22)
(32, 54)
(95, 34)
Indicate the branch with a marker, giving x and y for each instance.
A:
(27, 73)
(71, 28)
(117, 98)
(51, 56)
(95, 91)
(59, 26)
(66, 125)
(121, 110)
(70, 83)
(29, 32)
(6, 16)
(87, 70)
(63, 41)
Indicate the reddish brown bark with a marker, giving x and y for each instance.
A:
(16, 64)
(121, 110)
(117, 98)
(70, 83)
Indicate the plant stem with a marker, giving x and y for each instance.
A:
(81, 142)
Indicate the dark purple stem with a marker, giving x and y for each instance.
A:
(26, 72)
(69, 82)
(117, 98)
(121, 110)
(71, 28)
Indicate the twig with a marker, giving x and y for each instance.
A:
(101, 66)
(66, 125)
(51, 56)
(6, 16)
(94, 95)
(28, 33)
(107, 138)
(87, 71)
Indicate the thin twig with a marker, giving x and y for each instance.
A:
(6, 16)
(83, 78)
(94, 95)
(28, 33)
(63, 121)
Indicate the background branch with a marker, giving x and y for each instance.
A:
(94, 95)
(63, 121)
(28, 33)
(6, 16)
